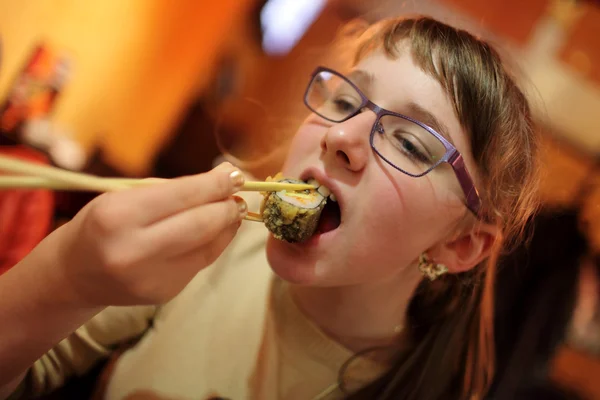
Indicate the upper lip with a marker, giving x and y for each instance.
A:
(324, 180)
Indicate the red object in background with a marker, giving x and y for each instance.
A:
(26, 215)
(35, 90)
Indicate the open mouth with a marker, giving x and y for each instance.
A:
(331, 216)
(300, 215)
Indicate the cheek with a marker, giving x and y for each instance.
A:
(306, 142)
(403, 218)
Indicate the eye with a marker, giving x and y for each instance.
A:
(412, 147)
(344, 105)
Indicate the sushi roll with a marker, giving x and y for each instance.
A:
(292, 216)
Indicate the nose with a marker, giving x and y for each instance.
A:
(348, 142)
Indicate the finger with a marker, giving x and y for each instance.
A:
(194, 228)
(153, 203)
(182, 268)
(197, 259)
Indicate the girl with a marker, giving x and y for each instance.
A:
(428, 147)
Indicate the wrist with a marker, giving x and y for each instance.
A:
(52, 262)
(40, 307)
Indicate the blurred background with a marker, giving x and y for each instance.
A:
(154, 88)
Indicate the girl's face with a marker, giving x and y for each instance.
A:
(387, 218)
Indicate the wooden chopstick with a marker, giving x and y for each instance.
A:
(253, 217)
(60, 179)
(38, 176)
(34, 182)
(250, 186)
(109, 184)
(257, 186)
(74, 179)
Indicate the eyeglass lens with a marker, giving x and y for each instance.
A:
(402, 142)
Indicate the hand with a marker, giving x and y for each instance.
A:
(143, 245)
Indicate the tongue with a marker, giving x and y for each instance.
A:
(330, 217)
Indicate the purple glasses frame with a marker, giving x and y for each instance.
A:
(452, 156)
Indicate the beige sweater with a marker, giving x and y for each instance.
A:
(233, 332)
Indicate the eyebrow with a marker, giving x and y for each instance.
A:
(422, 115)
(361, 78)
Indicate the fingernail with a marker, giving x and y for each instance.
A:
(237, 178)
(242, 206)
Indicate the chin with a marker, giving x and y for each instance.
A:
(291, 263)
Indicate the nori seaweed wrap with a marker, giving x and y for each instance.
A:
(292, 216)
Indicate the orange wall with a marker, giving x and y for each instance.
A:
(136, 63)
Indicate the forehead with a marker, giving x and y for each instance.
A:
(395, 83)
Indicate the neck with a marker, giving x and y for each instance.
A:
(359, 316)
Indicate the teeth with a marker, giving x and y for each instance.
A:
(324, 190)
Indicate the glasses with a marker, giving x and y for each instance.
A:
(404, 143)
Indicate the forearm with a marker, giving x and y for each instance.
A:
(38, 309)
(8, 389)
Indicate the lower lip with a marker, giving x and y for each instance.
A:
(316, 240)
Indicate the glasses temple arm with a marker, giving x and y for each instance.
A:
(466, 182)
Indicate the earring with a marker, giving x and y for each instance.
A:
(430, 269)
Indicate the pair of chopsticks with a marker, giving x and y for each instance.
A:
(37, 176)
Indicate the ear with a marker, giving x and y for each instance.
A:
(466, 249)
